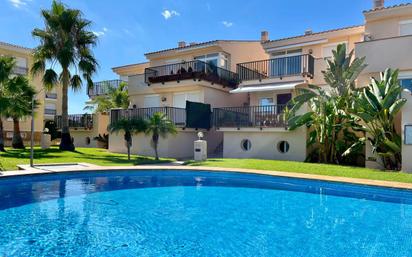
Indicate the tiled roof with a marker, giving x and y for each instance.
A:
(16, 46)
(315, 33)
(387, 7)
(200, 44)
(127, 65)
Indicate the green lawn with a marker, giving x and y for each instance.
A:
(309, 168)
(12, 157)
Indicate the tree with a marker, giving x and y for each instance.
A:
(159, 126)
(376, 108)
(6, 67)
(117, 97)
(21, 94)
(130, 127)
(328, 117)
(66, 41)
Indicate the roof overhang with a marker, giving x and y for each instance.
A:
(268, 87)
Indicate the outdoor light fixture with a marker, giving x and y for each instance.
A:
(200, 135)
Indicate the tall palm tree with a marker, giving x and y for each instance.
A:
(6, 67)
(130, 127)
(116, 97)
(66, 41)
(20, 93)
(159, 126)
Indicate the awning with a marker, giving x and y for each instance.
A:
(267, 87)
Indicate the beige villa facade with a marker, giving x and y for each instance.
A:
(254, 82)
(49, 101)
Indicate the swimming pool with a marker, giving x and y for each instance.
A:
(199, 213)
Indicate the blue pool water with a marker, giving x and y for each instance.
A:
(182, 213)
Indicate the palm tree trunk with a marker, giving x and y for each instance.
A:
(156, 153)
(128, 150)
(17, 141)
(1, 136)
(66, 142)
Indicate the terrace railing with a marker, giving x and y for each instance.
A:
(102, 87)
(300, 65)
(76, 121)
(50, 111)
(176, 115)
(51, 95)
(191, 70)
(271, 116)
(17, 70)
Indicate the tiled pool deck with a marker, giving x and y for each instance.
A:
(57, 168)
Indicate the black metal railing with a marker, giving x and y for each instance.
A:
(191, 70)
(50, 111)
(300, 65)
(271, 116)
(78, 121)
(102, 87)
(176, 115)
(51, 95)
(20, 70)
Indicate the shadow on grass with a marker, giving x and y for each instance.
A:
(196, 163)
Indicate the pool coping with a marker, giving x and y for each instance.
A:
(90, 168)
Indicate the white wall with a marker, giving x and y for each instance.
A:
(406, 120)
(265, 144)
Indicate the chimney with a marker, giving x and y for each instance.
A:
(181, 44)
(377, 4)
(308, 32)
(264, 36)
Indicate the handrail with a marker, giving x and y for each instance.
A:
(102, 87)
(176, 115)
(191, 70)
(76, 121)
(299, 65)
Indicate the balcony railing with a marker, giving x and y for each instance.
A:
(51, 95)
(20, 70)
(176, 115)
(300, 65)
(50, 111)
(191, 70)
(102, 87)
(271, 116)
(77, 121)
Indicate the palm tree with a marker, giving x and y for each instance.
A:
(130, 127)
(376, 107)
(117, 97)
(20, 94)
(6, 67)
(65, 41)
(159, 126)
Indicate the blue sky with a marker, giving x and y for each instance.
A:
(129, 28)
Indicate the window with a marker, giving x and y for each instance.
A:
(286, 63)
(209, 58)
(405, 27)
(246, 145)
(283, 147)
(327, 49)
(406, 83)
(266, 101)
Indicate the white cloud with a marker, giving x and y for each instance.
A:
(227, 24)
(100, 33)
(167, 14)
(19, 3)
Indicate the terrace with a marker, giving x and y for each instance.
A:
(271, 116)
(76, 121)
(176, 115)
(299, 65)
(196, 70)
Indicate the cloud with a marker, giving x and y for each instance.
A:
(227, 24)
(100, 33)
(19, 3)
(167, 14)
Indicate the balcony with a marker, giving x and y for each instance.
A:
(76, 121)
(49, 111)
(102, 87)
(51, 96)
(271, 116)
(196, 70)
(176, 115)
(300, 65)
(20, 71)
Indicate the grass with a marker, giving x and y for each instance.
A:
(308, 168)
(13, 157)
